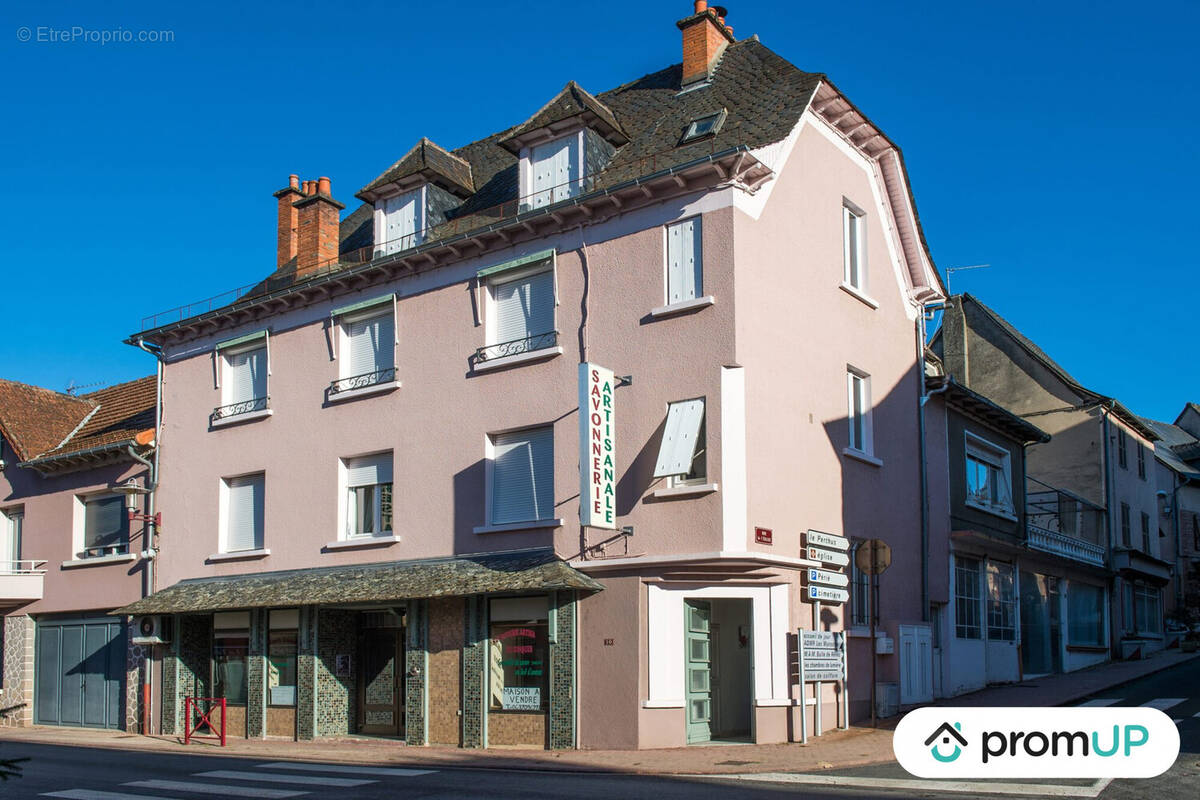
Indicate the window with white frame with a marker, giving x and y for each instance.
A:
(521, 318)
(368, 354)
(12, 521)
(105, 526)
(1143, 614)
(522, 476)
(860, 591)
(858, 410)
(244, 378)
(403, 221)
(555, 171)
(368, 495)
(685, 261)
(1085, 615)
(989, 476)
(681, 455)
(967, 600)
(244, 512)
(854, 239)
(1002, 614)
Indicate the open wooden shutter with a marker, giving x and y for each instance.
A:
(681, 437)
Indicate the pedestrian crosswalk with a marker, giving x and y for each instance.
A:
(289, 777)
(1164, 704)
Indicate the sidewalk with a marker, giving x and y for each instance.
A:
(837, 750)
(1059, 690)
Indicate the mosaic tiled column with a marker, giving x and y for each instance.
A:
(562, 672)
(306, 674)
(16, 704)
(256, 676)
(171, 697)
(337, 690)
(185, 669)
(416, 665)
(474, 653)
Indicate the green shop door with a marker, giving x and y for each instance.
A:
(697, 648)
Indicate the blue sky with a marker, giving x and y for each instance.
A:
(1053, 141)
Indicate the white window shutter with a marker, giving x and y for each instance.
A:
(246, 507)
(369, 470)
(674, 264)
(680, 438)
(403, 216)
(524, 307)
(372, 344)
(523, 476)
(684, 261)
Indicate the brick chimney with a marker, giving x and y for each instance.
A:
(317, 220)
(705, 36)
(288, 221)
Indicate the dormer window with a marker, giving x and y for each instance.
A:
(701, 127)
(403, 221)
(555, 169)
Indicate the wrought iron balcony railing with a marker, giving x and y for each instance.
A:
(538, 341)
(364, 381)
(244, 407)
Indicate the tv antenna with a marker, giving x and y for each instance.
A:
(951, 270)
(73, 387)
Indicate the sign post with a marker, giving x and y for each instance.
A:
(597, 448)
(824, 664)
(873, 558)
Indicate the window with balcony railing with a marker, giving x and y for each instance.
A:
(520, 315)
(243, 380)
(367, 352)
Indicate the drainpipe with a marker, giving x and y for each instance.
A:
(151, 529)
(924, 308)
(1116, 604)
(1178, 538)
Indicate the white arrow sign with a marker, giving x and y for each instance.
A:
(822, 593)
(822, 663)
(828, 540)
(817, 655)
(823, 675)
(828, 556)
(827, 577)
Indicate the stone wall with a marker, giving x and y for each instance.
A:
(136, 663)
(336, 694)
(16, 703)
(445, 670)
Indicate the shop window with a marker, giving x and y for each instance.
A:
(281, 659)
(1142, 610)
(1001, 606)
(967, 623)
(231, 646)
(519, 664)
(1085, 615)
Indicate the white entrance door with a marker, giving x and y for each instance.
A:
(916, 664)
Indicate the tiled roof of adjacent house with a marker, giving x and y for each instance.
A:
(44, 426)
(762, 93)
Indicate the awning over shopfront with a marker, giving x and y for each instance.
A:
(524, 570)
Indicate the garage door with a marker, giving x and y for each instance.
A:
(79, 672)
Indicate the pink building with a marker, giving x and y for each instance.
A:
(370, 468)
(71, 554)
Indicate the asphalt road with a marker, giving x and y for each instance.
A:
(77, 773)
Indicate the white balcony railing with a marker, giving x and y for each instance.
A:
(1060, 544)
(21, 580)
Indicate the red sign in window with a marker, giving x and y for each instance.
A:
(762, 535)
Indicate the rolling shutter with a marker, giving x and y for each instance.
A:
(523, 476)
(372, 344)
(247, 375)
(245, 531)
(684, 261)
(369, 470)
(681, 437)
(524, 307)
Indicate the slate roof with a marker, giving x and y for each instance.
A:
(762, 92)
(573, 101)
(1175, 447)
(1120, 410)
(523, 570)
(434, 163)
(46, 426)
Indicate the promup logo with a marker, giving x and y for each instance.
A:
(946, 732)
(1089, 742)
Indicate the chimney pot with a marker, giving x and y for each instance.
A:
(701, 6)
(294, 181)
(317, 231)
(705, 36)
(323, 187)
